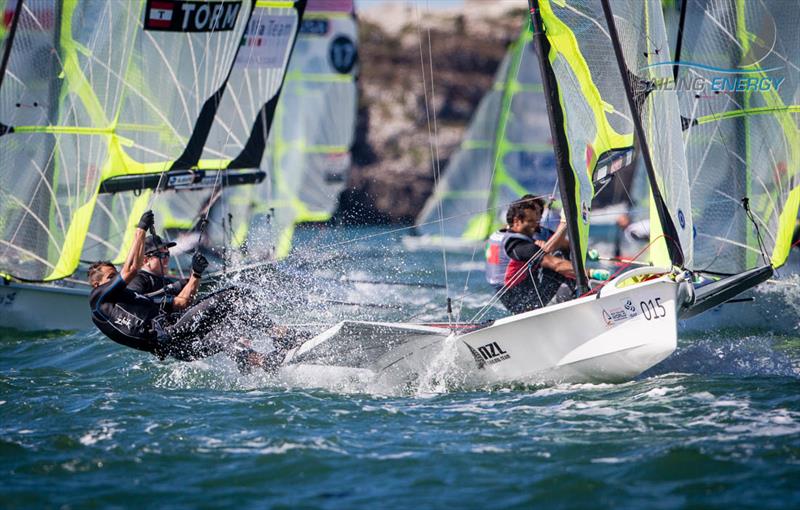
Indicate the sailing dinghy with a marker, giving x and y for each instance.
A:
(506, 153)
(102, 102)
(608, 334)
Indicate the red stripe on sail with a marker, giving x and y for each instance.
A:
(329, 6)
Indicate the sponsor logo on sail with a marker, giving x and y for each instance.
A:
(314, 26)
(492, 353)
(187, 16)
(267, 40)
(343, 54)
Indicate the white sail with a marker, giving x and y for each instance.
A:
(739, 85)
(99, 93)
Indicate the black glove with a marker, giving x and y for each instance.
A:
(199, 264)
(147, 220)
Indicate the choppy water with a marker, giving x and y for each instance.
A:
(87, 423)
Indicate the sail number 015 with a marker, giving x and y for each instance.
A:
(652, 309)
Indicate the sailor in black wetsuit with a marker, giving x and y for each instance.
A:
(164, 324)
(152, 279)
(535, 270)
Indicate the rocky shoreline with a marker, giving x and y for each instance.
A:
(395, 146)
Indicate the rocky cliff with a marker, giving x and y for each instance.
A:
(396, 148)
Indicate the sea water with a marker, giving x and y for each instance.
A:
(85, 422)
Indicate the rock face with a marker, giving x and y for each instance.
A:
(422, 74)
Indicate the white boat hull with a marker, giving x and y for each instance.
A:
(610, 338)
(43, 307)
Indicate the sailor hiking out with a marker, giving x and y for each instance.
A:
(143, 308)
(528, 257)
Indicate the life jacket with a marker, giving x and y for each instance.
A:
(511, 278)
(496, 258)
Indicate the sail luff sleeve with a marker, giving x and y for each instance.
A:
(566, 180)
(679, 40)
(636, 101)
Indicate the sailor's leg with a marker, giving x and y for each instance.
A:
(288, 338)
(247, 359)
(188, 338)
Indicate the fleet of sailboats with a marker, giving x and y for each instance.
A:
(178, 109)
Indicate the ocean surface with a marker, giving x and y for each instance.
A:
(86, 423)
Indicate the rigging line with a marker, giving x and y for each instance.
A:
(380, 234)
(431, 136)
(465, 291)
(517, 56)
(515, 279)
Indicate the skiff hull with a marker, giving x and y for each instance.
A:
(612, 337)
(43, 307)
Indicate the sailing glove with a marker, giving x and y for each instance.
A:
(199, 264)
(147, 220)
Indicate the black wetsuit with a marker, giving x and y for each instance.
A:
(540, 285)
(151, 284)
(125, 316)
(148, 324)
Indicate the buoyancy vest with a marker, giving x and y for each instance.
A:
(496, 258)
(515, 274)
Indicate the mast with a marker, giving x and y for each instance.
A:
(9, 43)
(679, 42)
(566, 181)
(668, 227)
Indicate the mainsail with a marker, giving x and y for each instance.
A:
(238, 138)
(589, 115)
(304, 149)
(101, 95)
(738, 80)
(308, 158)
(639, 38)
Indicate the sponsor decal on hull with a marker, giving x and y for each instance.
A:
(617, 315)
(492, 353)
